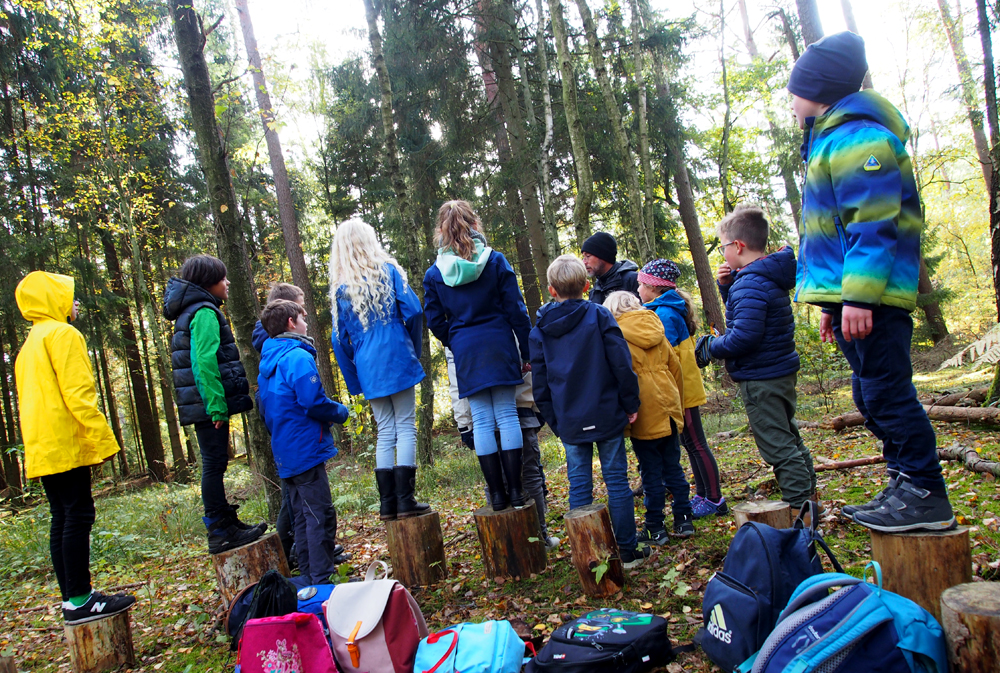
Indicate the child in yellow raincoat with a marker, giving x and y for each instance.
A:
(64, 433)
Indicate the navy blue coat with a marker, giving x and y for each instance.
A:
(581, 372)
(478, 321)
(759, 342)
(259, 337)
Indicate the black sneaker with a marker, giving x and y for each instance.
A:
(98, 606)
(224, 535)
(909, 508)
(658, 537)
(849, 511)
(683, 525)
(342, 557)
(633, 558)
(235, 520)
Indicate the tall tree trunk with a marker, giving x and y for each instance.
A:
(812, 27)
(229, 231)
(727, 118)
(852, 25)
(11, 469)
(639, 226)
(932, 309)
(286, 205)
(577, 136)
(788, 32)
(116, 423)
(696, 245)
(648, 181)
(545, 149)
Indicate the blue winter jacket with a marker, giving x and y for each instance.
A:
(671, 310)
(581, 372)
(259, 336)
(759, 342)
(295, 409)
(385, 358)
(478, 318)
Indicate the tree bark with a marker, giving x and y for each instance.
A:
(812, 27)
(852, 25)
(593, 548)
(504, 541)
(789, 33)
(648, 181)
(970, 617)
(243, 566)
(116, 424)
(932, 309)
(11, 468)
(727, 117)
(774, 513)
(548, 204)
(416, 548)
(101, 645)
(229, 231)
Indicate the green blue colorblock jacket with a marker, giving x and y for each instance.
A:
(859, 236)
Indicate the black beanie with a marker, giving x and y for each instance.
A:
(830, 69)
(601, 245)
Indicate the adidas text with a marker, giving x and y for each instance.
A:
(719, 634)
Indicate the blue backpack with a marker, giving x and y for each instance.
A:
(742, 603)
(490, 647)
(859, 627)
(311, 599)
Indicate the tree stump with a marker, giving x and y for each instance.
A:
(774, 513)
(592, 544)
(7, 665)
(242, 566)
(922, 564)
(101, 645)
(503, 538)
(970, 615)
(416, 547)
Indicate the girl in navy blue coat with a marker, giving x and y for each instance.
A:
(377, 339)
(474, 307)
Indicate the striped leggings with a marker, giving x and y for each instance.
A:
(706, 470)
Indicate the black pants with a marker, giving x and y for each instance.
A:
(285, 524)
(214, 461)
(313, 514)
(73, 516)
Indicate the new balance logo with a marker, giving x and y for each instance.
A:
(98, 607)
(717, 625)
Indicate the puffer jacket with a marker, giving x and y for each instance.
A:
(660, 378)
(859, 236)
(671, 309)
(61, 423)
(759, 342)
(623, 275)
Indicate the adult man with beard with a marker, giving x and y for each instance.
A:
(599, 254)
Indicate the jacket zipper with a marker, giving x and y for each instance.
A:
(802, 215)
(841, 234)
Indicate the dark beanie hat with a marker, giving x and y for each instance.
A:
(830, 69)
(601, 245)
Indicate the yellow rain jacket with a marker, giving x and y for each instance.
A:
(62, 426)
(661, 383)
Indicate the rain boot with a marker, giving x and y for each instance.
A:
(386, 481)
(406, 506)
(493, 472)
(511, 461)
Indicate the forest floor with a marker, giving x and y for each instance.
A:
(150, 540)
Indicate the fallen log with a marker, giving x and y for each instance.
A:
(967, 455)
(977, 395)
(936, 412)
(825, 464)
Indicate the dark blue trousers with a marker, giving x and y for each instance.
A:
(312, 513)
(660, 468)
(882, 383)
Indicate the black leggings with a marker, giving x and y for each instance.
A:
(73, 516)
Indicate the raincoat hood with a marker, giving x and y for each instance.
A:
(277, 348)
(671, 300)
(456, 271)
(642, 328)
(181, 293)
(45, 296)
(557, 318)
(778, 267)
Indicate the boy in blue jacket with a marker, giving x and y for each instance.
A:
(298, 415)
(859, 259)
(759, 347)
(586, 391)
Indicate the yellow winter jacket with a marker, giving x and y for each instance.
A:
(661, 382)
(694, 387)
(62, 425)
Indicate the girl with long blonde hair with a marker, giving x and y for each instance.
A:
(377, 334)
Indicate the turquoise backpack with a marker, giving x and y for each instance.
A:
(490, 647)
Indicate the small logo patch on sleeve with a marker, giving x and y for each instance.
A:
(872, 164)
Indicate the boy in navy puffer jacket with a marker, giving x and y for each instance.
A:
(759, 347)
(298, 415)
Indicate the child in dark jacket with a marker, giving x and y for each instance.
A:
(474, 307)
(586, 390)
(298, 415)
(759, 347)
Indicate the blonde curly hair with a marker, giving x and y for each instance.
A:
(357, 272)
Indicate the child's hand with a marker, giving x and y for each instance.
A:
(525, 367)
(632, 417)
(724, 274)
(855, 323)
(219, 424)
(826, 328)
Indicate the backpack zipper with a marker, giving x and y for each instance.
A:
(775, 579)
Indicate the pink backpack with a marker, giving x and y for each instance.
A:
(292, 643)
(375, 625)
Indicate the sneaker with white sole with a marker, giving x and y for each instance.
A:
(908, 508)
(848, 511)
(702, 507)
(551, 542)
(98, 606)
(657, 537)
(633, 558)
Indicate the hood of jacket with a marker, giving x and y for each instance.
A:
(557, 318)
(617, 269)
(456, 271)
(670, 300)
(641, 328)
(778, 267)
(181, 293)
(864, 105)
(277, 348)
(45, 296)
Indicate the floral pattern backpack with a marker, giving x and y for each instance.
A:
(292, 643)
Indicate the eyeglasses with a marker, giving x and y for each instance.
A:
(725, 245)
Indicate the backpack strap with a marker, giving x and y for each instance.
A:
(868, 615)
(372, 573)
(433, 638)
(818, 539)
(815, 587)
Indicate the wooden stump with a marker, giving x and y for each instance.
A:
(101, 645)
(7, 665)
(503, 538)
(242, 566)
(774, 513)
(970, 615)
(922, 564)
(592, 544)
(416, 548)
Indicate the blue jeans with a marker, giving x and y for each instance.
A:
(614, 469)
(660, 466)
(494, 409)
(882, 384)
(395, 416)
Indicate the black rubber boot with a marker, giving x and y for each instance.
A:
(511, 461)
(386, 481)
(406, 505)
(493, 472)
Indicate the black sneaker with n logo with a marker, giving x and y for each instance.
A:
(98, 606)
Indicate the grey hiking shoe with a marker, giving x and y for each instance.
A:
(633, 558)
(849, 511)
(909, 508)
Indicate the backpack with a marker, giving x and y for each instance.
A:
(606, 640)
(859, 627)
(375, 625)
(763, 566)
(490, 647)
(291, 643)
(311, 599)
(272, 596)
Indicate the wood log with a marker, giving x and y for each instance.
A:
(970, 616)
(416, 548)
(969, 457)
(592, 544)
(922, 564)
(101, 645)
(774, 513)
(823, 464)
(243, 566)
(977, 395)
(7, 665)
(988, 415)
(503, 538)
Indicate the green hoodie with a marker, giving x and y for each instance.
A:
(456, 271)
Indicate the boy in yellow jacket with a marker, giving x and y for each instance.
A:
(64, 433)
